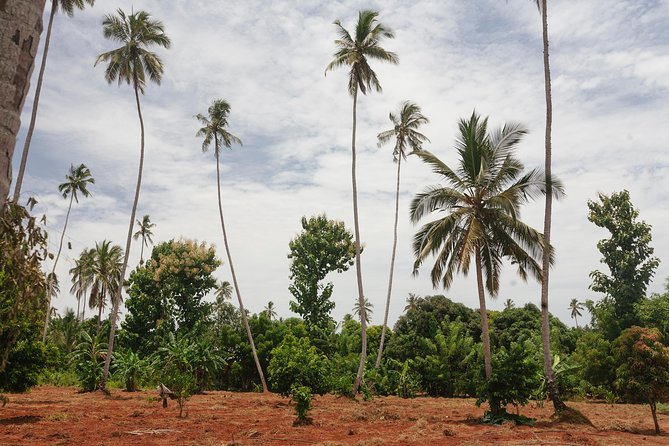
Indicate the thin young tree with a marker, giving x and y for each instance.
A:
(133, 64)
(146, 233)
(81, 279)
(551, 386)
(354, 52)
(77, 182)
(214, 130)
(576, 307)
(68, 7)
(407, 140)
(479, 215)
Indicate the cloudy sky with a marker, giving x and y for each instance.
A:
(267, 58)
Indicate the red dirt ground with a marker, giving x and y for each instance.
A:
(62, 416)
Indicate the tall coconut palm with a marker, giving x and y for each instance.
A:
(480, 204)
(146, 233)
(270, 311)
(77, 181)
(131, 63)
(68, 7)
(21, 21)
(413, 301)
(407, 140)
(215, 131)
(576, 307)
(223, 291)
(354, 52)
(551, 387)
(366, 310)
(81, 274)
(105, 276)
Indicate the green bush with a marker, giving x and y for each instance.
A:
(88, 358)
(26, 361)
(175, 365)
(295, 362)
(130, 368)
(302, 397)
(516, 376)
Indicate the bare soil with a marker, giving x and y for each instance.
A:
(63, 416)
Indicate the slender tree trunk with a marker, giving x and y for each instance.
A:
(78, 307)
(653, 410)
(551, 387)
(97, 332)
(49, 287)
(485, 330)
(20, 29)
(245, 319)
(116, 295)
(358, 266)
(33, 116)
(576, 320)
(141, 252)
(392, 265)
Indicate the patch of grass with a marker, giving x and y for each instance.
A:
(663, 408)
(571, 416)
(521, 420)
(59, 378)
(58, 416)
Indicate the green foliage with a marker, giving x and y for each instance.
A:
(23, 248)
(295, 362)
(596, 363)
(166, 295)
(88, 358)
(654, 312)
(643, 371)
(301, 395)
(629, 257)
(25, 363)
(130, 368)
(323, 246)
(516, 376)
(174, 363)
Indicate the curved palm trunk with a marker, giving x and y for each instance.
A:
(97, 331)
(485, 330)
(20, 29)
(551, 387)
(49, 287)
(392, 266)
(358, 266)
(33, 116)
(116, 296)
(245, 320)
(78, 307)
(141, 252)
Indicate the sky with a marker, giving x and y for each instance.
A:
(610, 70)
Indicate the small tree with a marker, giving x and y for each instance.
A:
(176, 371)
(323, 246)
(295, 362)
(130, 368)
(89, 359)
(643, 374)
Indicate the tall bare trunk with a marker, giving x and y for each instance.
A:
(551, 387)
(392, 265)
(20, 29)
(242, 310)
(78, 307)
(33, 116)
(49, 287)
(485, 330)
(358, 266)
(116, 297)
(141, 252)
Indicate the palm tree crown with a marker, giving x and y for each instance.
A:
(132, 62)
(407, 138)
(68, 6)
(77, 181)
(576, 307)
(354, 51)
(145, 232)
(215, 127)
(482, 202)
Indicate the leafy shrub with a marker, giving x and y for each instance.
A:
(130, 368)
(26, 361)
(295, 362)
(88, 358)
(176, 371)
(516, 375)
(302, 397)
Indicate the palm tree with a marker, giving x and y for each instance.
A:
(413, 301)
(407, 139)
(224, 291)
(354, 52)
(509, 305)
(145, 233)
(480, 206)
(68, 7)
(368, 310)
(21, 21)
(77, 181)
(215, 131)
(576, 307)
(105, 276)
(551, 387)
(81, 275)
(131, 63)
(270, 311)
